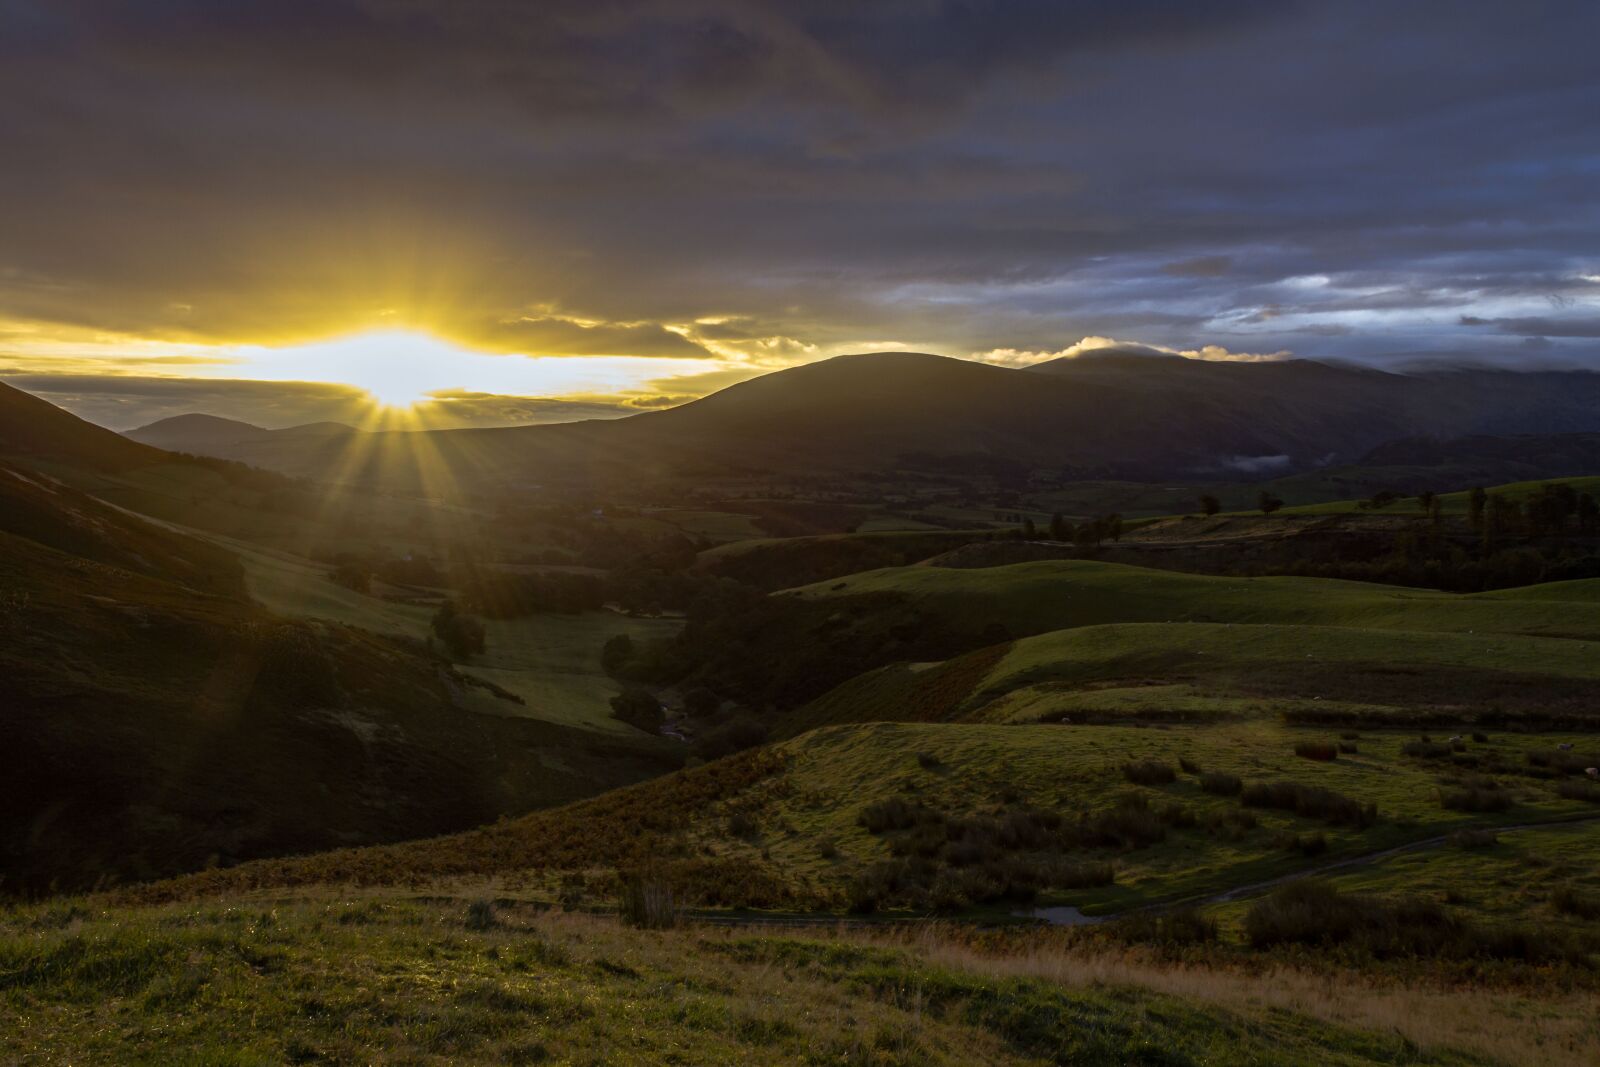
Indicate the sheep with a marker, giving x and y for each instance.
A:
(1592, 772)
(1565, 746)
(1456, 740)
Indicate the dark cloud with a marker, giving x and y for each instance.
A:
(780, 180)
(1539, 327)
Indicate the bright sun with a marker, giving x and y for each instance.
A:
(396, 368)
(402, 369)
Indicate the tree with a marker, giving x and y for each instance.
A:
(615, 653)
(1028, 530)
(1588, 515)
(1114, 526)
(352, 576)
(1425, 500)
(462, 634)
(1209, 505)
(1268, 503)
(1060, 528)
(1477, 500)
(638, 708)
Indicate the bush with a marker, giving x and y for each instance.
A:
(1307, 844)
(1315, 914)
(462, 634)
(1313, 802)
(1476, 795)
(737, 734)
(1222, 785)
(1568, 762)
(1570, 900)
(615, 654)
(742, 824)
(1348, 748)
(1474, 838)
(1579, 790)
(1425, 749)
(1480, 738)
(647, 903)
(1130, 824)
(1316, 750)
(928, 761)
(1171, 929)
(638, 708)
(1148, 772)
(895, 813)
(1188, 765)
(481, 916)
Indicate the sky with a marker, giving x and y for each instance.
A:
(291, 210)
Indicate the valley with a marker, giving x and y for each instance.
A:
(792, 764)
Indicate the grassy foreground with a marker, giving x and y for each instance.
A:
(408, 980)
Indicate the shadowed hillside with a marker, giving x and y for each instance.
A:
(1090, 417)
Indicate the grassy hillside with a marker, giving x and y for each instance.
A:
(1452, 503)
(394, 979)
(156, 728)
(1054, 594)
(1176, 671)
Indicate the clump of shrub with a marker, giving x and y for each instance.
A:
(1314, 844)
(744, 825)
(1350, 735)
(1310, 801)
(1474, 838)
(1480, 738)
(1220, 784)
(1169, 929)
(1149, 772)
(883, 816)
(1570, 900)
(1316, 750)
(638, 708)
(1188, 765)
(1563, 762)
(481, 916)
(1230, 823)
(740, 732)
(1348, 748)
(1475, 795)
(928, 761)
(648, 903)
(1315, 914)
(1579, 790)
(1425, 749)
(1129, 824)
(828, 850)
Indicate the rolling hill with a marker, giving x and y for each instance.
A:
(157, 721)
(208, 435)
(1135, 417)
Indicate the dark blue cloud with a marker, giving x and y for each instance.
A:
(1352, 180)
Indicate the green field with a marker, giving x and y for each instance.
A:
(1055, 594)
(553, 663)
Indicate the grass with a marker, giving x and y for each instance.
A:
(392, 979)
(1029, 598)
(1450, 503)
(1198, 672)
(798, 844)
(551, 661)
